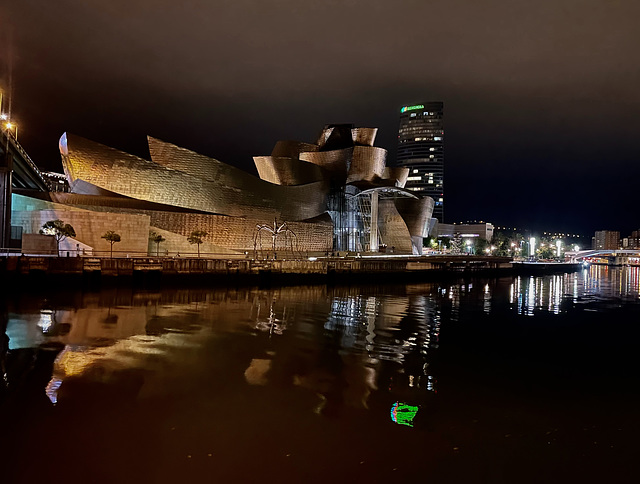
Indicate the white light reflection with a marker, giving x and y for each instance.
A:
(531, 296)
(46, 320)
(52, 389)
(486, 299)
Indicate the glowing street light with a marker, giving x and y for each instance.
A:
(9, 125)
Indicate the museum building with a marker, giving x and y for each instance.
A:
(336, 194)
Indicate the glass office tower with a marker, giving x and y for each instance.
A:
(421, 149)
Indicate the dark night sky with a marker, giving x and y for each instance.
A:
(542, 99)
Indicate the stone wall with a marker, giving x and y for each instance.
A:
(238, 233)
(225, 235)
(90, 226)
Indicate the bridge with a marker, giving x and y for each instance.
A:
(614, 256)
(17, 170)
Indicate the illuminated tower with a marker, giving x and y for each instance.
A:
(421, 149)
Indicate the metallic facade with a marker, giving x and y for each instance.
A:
(336, 194)
(360, 183)
(287, 171)
(183, 178)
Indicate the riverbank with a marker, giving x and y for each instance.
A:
(161, 270)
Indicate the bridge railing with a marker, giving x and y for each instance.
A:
(583, 254)
(25, 156)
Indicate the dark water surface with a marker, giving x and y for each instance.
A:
(484, 380)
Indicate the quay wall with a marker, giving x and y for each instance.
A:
(205, 270)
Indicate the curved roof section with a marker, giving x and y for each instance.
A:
(364, 136)
(234, 192)
(335, 137)
(416, 214)
(367, 163)
(195, 164)
(335, 161)
(397, 173)
(287, 171)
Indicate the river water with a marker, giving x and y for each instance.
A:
(525, 379)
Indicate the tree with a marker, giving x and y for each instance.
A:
(546, 251)
(480, 245)
(111, 237)
(196, 238)
(59, 230)
(157, 238)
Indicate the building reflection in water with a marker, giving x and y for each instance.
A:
(366, 343)
(354, 347)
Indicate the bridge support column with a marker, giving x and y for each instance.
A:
(5, 206)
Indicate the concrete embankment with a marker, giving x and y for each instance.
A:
(211, 271)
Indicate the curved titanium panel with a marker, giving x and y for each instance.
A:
(392, 228)
(367, 163)
(324, 135)
(234, 192)
(364, 136)
(398, 173)
(287, 171)
(171, 156)
(292, 149)
(416, 214)
(336, 161)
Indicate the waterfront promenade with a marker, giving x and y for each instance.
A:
(320, 269)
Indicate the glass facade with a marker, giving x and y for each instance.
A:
(421, 149)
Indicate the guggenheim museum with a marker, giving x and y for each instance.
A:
(335, 194)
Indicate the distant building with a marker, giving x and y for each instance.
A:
(482, 231)
(606, 239)
(633, 241)
(421, 149)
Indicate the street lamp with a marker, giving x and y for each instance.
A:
(9, 125)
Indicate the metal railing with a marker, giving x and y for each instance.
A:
(26, 157)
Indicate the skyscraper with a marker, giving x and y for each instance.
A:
(421, 149)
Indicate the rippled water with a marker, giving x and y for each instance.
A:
(530, 379)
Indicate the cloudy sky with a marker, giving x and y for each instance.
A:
(542, 99)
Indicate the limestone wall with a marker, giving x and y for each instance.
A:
(225, 235)
(90, 226)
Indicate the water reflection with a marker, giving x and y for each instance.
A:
(342, 344)
(597, 286)
(430, 359)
